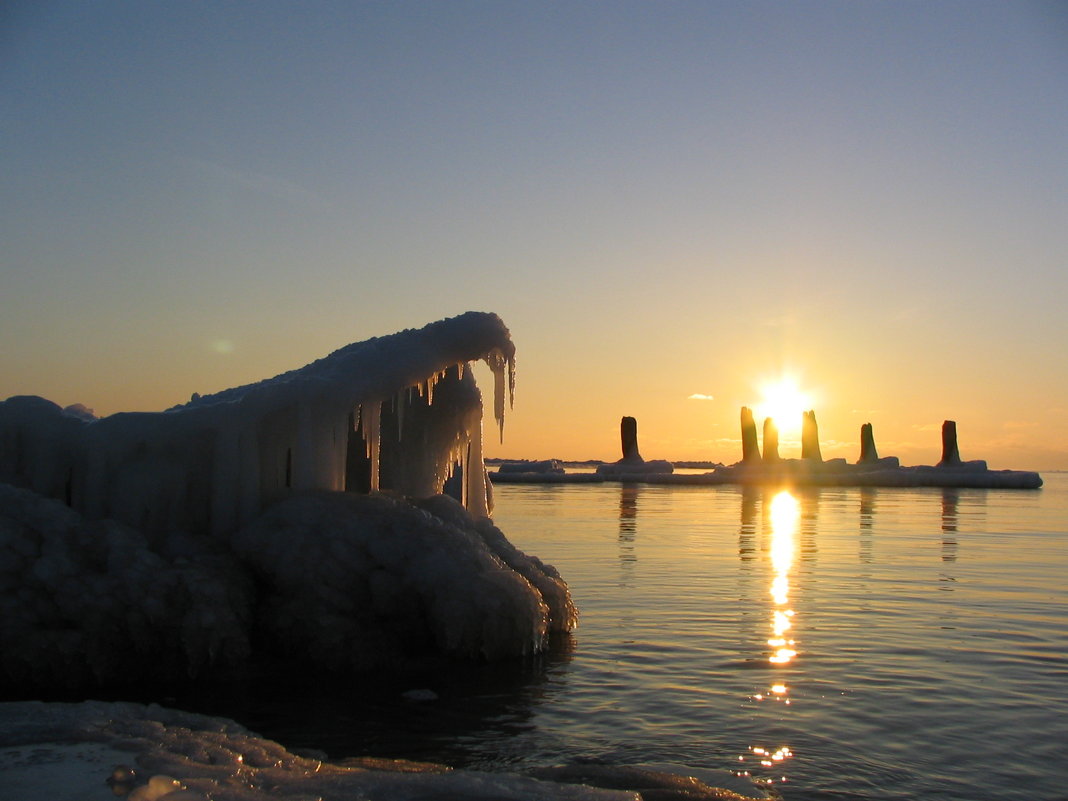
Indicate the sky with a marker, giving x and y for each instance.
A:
(668, 203)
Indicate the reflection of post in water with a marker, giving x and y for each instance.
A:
(950, 516)
(628, 522)
(748, 528)
(808, 502)
(867, 520)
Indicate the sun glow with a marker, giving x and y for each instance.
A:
(784, 402)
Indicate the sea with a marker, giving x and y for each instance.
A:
(805, 643)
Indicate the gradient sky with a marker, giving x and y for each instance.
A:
(661, 200)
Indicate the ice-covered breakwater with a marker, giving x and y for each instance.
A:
(150, 546)
(769, 468)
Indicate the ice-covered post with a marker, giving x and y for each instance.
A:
(950, 454)
(810, 437)
(750, 449)
(867, 445)
(628, 435)
(771, 441)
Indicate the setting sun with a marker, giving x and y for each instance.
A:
(784, 402)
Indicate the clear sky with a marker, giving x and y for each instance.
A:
(661, 200)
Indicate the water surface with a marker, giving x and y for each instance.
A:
(829, 643)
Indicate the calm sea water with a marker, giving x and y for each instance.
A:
(828, 643)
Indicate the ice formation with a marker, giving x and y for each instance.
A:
(217, 461)
(150, 753)
(149, 545)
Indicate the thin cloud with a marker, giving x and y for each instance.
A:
(255, 182)
(700, 396)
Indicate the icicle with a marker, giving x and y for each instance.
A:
(430, 382)
(498, 401)
(495, 360)
(398, 405)
(511, 381)
(475, 472)
(460, 371)
(464, 457)
(371, 417)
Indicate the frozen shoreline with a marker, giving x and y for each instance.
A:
(67, 752)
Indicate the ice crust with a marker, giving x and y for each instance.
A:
(195, 757)
(148, 547)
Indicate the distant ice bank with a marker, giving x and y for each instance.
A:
(300, 517)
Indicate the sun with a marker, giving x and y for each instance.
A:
(784, 402)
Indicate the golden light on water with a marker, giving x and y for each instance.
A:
(767, 758)
(764, 765)
(785, 512)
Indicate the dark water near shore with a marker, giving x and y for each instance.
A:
(830, 643)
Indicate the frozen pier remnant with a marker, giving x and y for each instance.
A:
(750, 448)
(868, 453)
(950, 454)
(149, 546)
(771, 441)
(628, 435)
(811, 469)
(810, 437)
(632, 462)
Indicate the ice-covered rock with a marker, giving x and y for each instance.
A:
(527, 466)
(357, 581)
(149, 546)
(85, 603)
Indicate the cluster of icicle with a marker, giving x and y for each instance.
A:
(215, 463)
(465, 449)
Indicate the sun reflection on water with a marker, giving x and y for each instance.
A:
(785, 512)
(763, 765)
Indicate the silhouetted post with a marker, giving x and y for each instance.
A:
(750, 449)
(810, 437)
(950, 454)
(867, 445)
(771, 441)
(628, 434)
